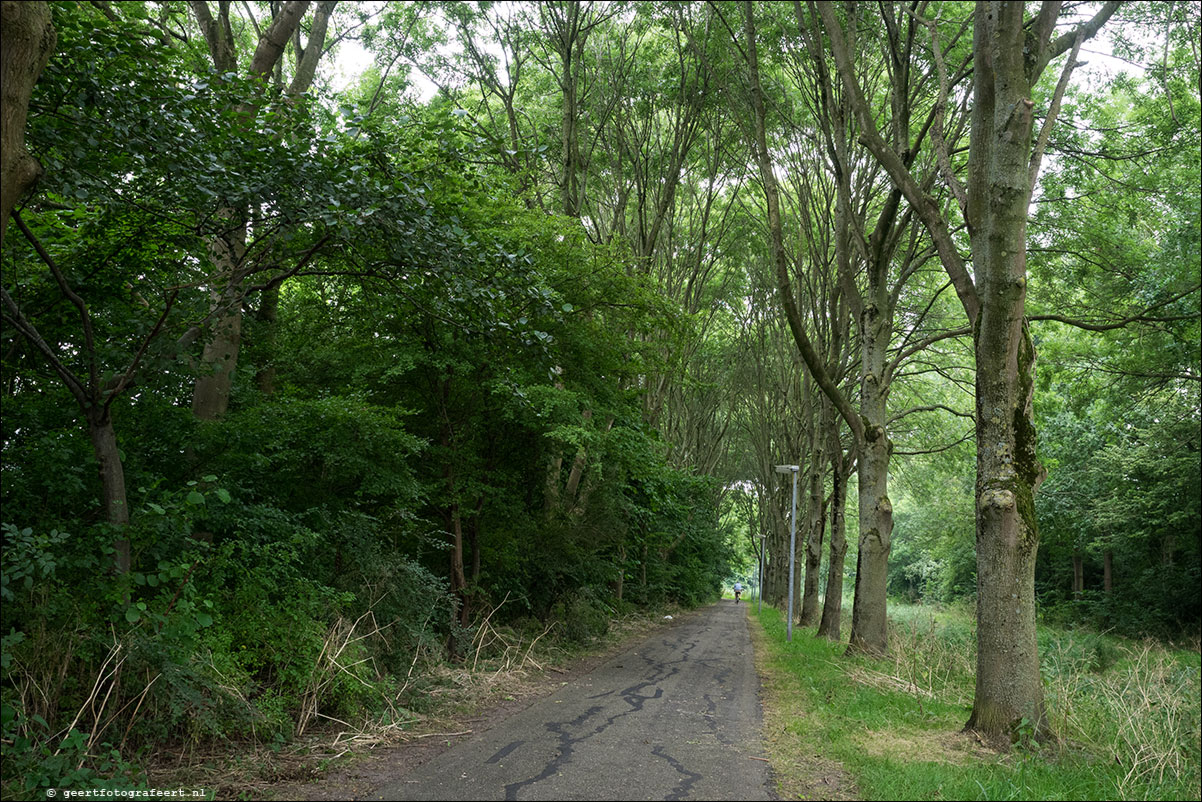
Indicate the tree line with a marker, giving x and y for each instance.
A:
(281, 356)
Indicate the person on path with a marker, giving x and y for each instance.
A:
(738, 590)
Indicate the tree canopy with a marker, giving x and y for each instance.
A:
(522, 318)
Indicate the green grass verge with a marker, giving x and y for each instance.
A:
(1126, 715)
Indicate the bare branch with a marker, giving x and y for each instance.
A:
(1053, 111)
(969, 435)
(926, 206)
(1085, 30)
(253, 21)
(930, 408)
(780, 260)
(84, 316)
(940, 112)
(130, 372)
(1143, 316)
(923, 344)
(18, 321)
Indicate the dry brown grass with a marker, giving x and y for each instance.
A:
(1139, 713)
(502, 670)
(955, 748)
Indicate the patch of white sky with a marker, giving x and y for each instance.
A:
(351, 59)
(1098, 65)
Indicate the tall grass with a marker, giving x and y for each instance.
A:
(1126, 714)
(1142, 711)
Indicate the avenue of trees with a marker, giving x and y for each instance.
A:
(520, 322)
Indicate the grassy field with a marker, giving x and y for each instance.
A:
(1125, 715)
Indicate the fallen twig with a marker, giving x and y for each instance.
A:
(442, 734)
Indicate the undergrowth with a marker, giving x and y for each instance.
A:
(1125, 714)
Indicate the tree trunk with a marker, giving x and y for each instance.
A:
(29, 38)
(869, 615)
(474, 540)
(1108, 571)
(816, 526)
(1009, 688)
(1009, 55)
(577, 472)
(211, 394)
(778, 552)
(1078, 574)
(112, 482)
(832, 606)
(619, 580)
(458, 576)
(219, 360)
(454, 517)
(643, 572)
(565, 26)
(268, 320)
(869, 624)
(551, 493)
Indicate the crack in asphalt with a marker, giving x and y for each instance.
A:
(630, 695)
(501, 753)
(676, 716)
(690, 777)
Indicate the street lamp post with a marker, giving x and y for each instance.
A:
(793, 469)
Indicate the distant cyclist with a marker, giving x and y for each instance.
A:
(738, 590)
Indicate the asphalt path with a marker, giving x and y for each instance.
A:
(676, 716)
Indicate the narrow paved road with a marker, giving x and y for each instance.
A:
(675, 717)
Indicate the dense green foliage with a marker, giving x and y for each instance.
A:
(441, 353)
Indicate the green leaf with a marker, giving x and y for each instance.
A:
(195, 497)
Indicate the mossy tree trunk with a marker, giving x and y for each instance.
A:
(1010, 53)
(869, 614)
